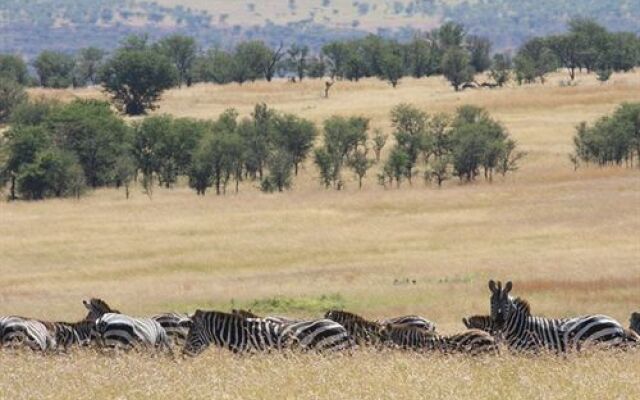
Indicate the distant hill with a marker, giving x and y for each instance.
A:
(29, 26)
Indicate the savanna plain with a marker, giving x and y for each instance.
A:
(569, 240)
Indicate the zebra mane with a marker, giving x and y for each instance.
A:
(349, 315)
(219, 314)
(522, 305)
(244, 313)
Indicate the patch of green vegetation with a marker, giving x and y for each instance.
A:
(279, 304)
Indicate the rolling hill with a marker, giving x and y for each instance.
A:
(29, 26)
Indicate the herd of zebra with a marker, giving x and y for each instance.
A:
(510, 324)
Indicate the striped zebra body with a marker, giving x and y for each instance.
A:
(471, 342)
(273, 318)
(231, 331)
(18, 331)
(240, 334)
(522, 330)
(364, 332)
(176, 326)
(410, 321)
(323, 335)
(68, 334)
(125, 332)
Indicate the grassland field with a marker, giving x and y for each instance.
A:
(569, 240)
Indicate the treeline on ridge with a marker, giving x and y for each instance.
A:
(139, 71)
(61, 150)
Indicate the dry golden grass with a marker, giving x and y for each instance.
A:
(568, 240)
(365, 375)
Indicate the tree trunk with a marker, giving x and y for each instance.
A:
(13, 186)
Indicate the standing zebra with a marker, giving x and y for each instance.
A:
(240, 334)
(559, 335)
(18, 331)
(364, 332)
(176, 325)
(414, 321)
(472, 342)
(125, 332)
(634, 322)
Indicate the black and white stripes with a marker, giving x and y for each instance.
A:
(241, 334)
(520, 329)
(509, 324)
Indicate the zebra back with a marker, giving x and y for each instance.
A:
(230, 331)
(472, 342)
(273, 318)
(19, 331)
(361, 329)
(68, 334)
(176, 326)
(244, 313)
(321, 335)
(125, 332)
(414, 321)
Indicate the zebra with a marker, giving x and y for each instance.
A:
(250, 314)
(239, 334)
(363, 331)
(634, 322)
(121, 331)
(473, 342)
(97, 308)
(176, 325)
(522, 330)
(67, 334)
(410, 321)
(483, 323)
(18, 331)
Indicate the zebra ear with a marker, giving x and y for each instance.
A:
(507, 287)
(86, 304)
(466, 323)
(492, 285)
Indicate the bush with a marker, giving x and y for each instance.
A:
(612, 139)
(136, 78)
(11, 96)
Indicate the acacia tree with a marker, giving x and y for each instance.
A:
(298, 59)
(295, 136)
(410, 126)
(181, 50)
(54, 69)
(341, 138)
(88, 62)
(13, 68)
(456, 67)
(135, 79)
(12, 94)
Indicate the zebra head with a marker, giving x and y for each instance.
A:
(481, 322)
(501, 302)
(197, 338)
(97, 308)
